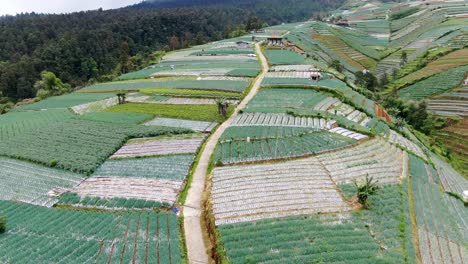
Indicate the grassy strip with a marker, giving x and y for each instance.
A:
(190, 112)
(183, 242)
(190, 92)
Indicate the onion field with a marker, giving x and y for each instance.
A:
(65, 101)
(198, 126)
(119, 118)
(16, 123)
(375, 158)
(320, 239)
(191, 112)
(275, 143)
(281, 57)
(254, 192)
(157, 147)
(171, 167)
(435, 84)
(31, 183)
(43, 235)
(441, 227)
(281, 100)
(225, 85)
(76, 145)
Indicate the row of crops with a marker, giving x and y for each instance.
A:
(254, 192)
(15, 123)
(272, 143)
(221, 85)
(434, 85)
(281, 100)
(30, 183)
(73, 199)
(440, 218)
(43, 235)
(388, 219)
(197, 65)
(320, 239)
(157, 147)
(447, 62)
(65, 101)
(376, 158)
(76, 145)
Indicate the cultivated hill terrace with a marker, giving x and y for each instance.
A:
(247, 150)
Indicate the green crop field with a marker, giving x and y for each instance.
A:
(16, 123)
(43, 235)
(435, 85)
(243, 72)
(190, 112)
(74, 199)
(225, 52)
(280, 100)
(299, 240)
(119, 118)
(191, 93)
(266, 143)
(220, 85)
(76, 145)
(279, 57)
(171, 167)
(65, 101)
(30, 183)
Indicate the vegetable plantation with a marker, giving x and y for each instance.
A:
(190, 93)
(74, 199)
(440, 218)
(434, 85)
(65, 101)
(172, 167)
(191, 112)
(118, 118)
(43, 235)
(225, 85)
(320, 239)
(30, 183)
(280, 57)
(16, 123)
(274, 143)
(280, 100)
(199, 126)
(77, 145)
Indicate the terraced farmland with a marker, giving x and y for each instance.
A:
(34, 184)
(434, 85)
(173, 167)
(156, 147)
(328, 238)
(199, 126)
(275, 143)
(255, 192)
(375, 158)
(55, 235)
(76, 145)
(17, 123)
(220, 85)
(440, 238)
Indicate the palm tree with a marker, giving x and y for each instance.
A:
(365, 189)
(222, 106)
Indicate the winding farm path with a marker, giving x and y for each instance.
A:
(196, 248)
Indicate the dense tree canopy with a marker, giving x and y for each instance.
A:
(81, 46)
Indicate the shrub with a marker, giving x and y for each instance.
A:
(3, 223)
(364, 190)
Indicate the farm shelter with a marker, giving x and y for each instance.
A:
(275, 41)
(316, 76)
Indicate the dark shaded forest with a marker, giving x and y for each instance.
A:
(88, 46)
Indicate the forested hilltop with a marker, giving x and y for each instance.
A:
(92, 45)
